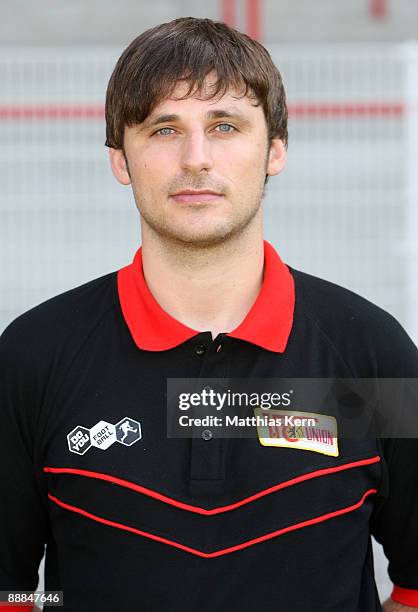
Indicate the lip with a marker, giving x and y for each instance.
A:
(188, 195)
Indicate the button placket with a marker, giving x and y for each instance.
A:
(207, 451)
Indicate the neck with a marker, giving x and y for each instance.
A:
(210, 288)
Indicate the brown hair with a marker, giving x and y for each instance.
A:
(188, 49)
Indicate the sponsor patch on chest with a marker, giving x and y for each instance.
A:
(298, 430)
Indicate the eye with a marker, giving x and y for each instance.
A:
(227, 125)
(162, 129)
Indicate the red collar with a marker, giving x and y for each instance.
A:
(267, 324)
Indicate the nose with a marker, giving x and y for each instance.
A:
(196, 153)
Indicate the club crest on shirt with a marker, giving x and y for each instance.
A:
(298, 430)
(102, 435)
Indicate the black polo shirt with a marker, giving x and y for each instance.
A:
(134, 520)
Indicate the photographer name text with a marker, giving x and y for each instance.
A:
(248, 421)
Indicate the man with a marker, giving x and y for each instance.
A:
(196, 123)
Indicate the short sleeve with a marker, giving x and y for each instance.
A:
(395, 520)
(23, 507)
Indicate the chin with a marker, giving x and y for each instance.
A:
(201, 239)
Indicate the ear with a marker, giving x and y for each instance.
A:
(277, 157)
(119, 166)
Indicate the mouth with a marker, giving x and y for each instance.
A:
(188, 196)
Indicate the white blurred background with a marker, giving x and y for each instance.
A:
(344, 209)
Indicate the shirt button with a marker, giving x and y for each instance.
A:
(207, 434)
(199, 349)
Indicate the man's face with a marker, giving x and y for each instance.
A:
(220, 144)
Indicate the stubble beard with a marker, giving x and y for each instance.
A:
(183, 235)
(163, 229)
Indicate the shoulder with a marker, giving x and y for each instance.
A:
(358, 328)
(324, 299)
(63, 319)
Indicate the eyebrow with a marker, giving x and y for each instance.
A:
(218, 113)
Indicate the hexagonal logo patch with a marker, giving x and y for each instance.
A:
(102, 435)
(128, 431)
(79, 440)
